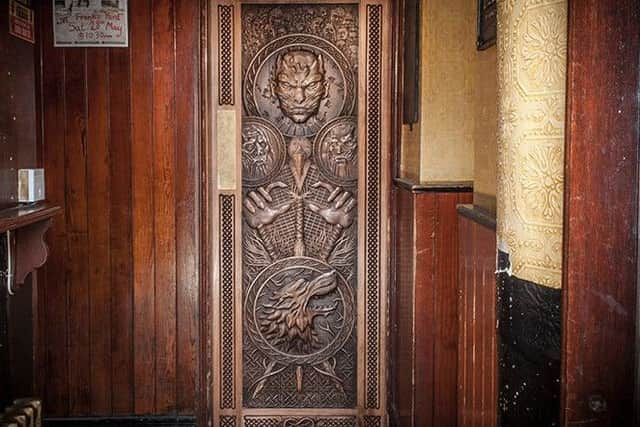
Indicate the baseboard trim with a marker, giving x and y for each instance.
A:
(164, 421)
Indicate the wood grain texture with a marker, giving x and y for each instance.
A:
(601, 214)
(426, 307)
(164, 197)
(187, 207)
(120, 145)
(477, 335)
(54, 275)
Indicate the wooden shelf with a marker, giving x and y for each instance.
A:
(21, 216)
(28, 225)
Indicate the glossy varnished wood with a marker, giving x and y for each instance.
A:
(426, 307)
(477, 334)
(601, 213)
(14, 218)
(120, 130)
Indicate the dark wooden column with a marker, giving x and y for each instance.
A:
(601, 213)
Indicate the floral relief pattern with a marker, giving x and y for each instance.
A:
(531, 91)
(542, 182)
(545, 48)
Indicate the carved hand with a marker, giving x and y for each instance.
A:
(259, 209)
(341, 203)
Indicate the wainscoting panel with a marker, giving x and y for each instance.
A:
(477, 335)
(426, 300)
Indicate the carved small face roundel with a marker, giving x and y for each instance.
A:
(336, 150)
(263, 150)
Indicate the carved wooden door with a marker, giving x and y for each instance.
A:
(299, 142)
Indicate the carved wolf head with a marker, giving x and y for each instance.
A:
(288, 321)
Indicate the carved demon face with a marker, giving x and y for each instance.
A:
(341, 148)
(257, 156)
(299, 84)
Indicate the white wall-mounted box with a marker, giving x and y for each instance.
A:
(30, 185)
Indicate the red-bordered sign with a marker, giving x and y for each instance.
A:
(21, 23)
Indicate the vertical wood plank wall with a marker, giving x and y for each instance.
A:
(425, 311)
(477, 335)
(601, 215)
(119, 141)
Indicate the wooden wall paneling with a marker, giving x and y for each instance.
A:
(187, 203)
(445, 308)
(404, 309)
(425, 321)
(465, 334)
(121, 156)
(477, 351)
(164, 194)
(78, 339)
(54, 282)
(99, 217)
(601, 214)
(142, 161)
(426, 303)
(121, 234)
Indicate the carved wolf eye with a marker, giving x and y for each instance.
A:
(249, 146)
(285, 85)
(313, 85)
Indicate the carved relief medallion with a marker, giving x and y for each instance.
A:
(336, 150)
(299, 82)
(263, 151)
(300, 311)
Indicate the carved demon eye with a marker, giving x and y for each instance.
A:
(285, 85)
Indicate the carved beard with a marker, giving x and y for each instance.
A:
(256, 162)
(342, 164)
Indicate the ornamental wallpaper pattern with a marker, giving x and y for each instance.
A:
(532, 54)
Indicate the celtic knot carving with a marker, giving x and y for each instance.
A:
(225, 62)
(299, 422)
(374, 168)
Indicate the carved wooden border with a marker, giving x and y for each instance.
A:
(227, 301)
(225, 63)
(373, 191)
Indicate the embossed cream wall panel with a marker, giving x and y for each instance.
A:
(532, 38)
(447, 73)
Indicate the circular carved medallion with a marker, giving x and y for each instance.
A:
(263, 151)
(336, 150)
(300, 311)
(299, 82)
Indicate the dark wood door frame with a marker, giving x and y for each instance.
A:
(601, 213)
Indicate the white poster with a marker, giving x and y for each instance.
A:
(83, 23)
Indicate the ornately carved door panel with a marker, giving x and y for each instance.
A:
(299, 142)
